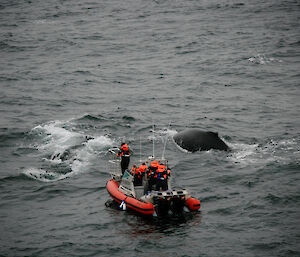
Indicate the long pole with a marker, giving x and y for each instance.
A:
(140, 149)
(153, 142)
(165, 144)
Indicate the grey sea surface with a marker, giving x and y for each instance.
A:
(107, 71)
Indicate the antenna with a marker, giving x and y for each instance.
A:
(165, 143)
(153, 154)
(140, 149)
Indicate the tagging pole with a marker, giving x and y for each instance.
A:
(165, 143)
(140, 149)
(153, 153)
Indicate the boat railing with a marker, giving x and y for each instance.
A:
(114, 165)
(126, 185)
(166, 195)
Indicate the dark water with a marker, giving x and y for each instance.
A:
(109, 70)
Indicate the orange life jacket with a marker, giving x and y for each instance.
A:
(153, 167)
(161, 172)
(133, 170)
(143, 168)
(124, 150)
(125, 147)
(154, 164)
(161, 168)
(137, 172)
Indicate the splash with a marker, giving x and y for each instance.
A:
(161, 134)
(55, 137)
(43, 175)
(243, 153)
(263, 59)
(63, 152)
(281, 151)
(171, 132)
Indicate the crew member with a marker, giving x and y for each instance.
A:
(124, 152)
(151, 174)
(143, 168)
(161, 178)
(139, 174)
(133, 170)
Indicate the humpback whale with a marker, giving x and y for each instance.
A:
(197, 140)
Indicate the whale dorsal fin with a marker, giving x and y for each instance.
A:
(215, 134)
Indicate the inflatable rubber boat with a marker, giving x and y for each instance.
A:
(143, 196)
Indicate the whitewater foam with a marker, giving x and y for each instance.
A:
(44, 175)
(272, 151)
(262, 59)
(67, 151)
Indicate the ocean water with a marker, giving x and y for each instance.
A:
(79, 77)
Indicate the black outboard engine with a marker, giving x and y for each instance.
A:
(162, 206)
(169, 202)
(162, 203)
(177, 204)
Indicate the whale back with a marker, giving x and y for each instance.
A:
(197, 140)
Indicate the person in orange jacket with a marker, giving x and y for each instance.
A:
(143, 168)
(133, 170)
(161, 178)
(137, 180)
(151, 174)
(139, 174)
(124, 152)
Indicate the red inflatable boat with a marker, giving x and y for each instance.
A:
(147, 203)
(147, 189)
(132, 203)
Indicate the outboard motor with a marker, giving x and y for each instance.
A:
(162, 206)
(177, 204)
(162, 203)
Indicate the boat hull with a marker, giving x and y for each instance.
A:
(193, 204)
(113, 189)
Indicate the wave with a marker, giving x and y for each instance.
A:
(283, 199)
(6, 78)
(8, 47)
(278, 245)
(128, 118)
(89, 117)
(10, 134)
(212, 198)
(13, 178)
(223, 211)
(91, 122)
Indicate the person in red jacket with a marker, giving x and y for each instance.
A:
(124, 152)
(143, 168)
(151, 173)
(161, 176)
(139, 174)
